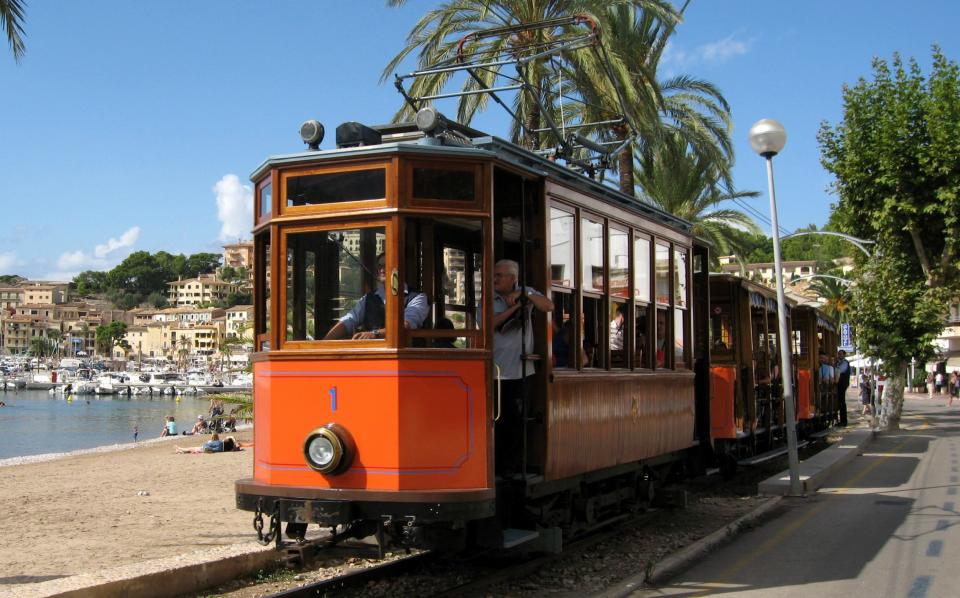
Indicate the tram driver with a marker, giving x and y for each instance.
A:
(508, 349)
(368, 317)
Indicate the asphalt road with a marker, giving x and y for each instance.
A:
(883, 525)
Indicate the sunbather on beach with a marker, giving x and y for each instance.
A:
(200, 427)
(215, 445)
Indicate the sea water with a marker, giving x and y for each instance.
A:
(34, 422)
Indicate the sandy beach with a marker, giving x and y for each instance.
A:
(105, 508)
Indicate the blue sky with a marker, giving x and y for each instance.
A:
(134, 125)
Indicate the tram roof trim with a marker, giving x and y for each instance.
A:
(406, 139)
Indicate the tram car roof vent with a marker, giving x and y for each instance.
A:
(354, 134)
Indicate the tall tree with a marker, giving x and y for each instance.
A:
(895, 157)
(11, 19)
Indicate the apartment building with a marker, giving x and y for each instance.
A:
(204, 289)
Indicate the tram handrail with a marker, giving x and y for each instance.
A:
(499, 411)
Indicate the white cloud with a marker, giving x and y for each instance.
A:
(127, 239)
(234, 207)
(677, 58)
(7, 262)
(723, 50)
(71, 263)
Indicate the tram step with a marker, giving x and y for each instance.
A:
(515, 537)
(767, 456)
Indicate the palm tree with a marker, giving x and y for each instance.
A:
(694, 108)
(183, 351)
(692, 186)
(836, 293)
(55, 337)
(11, 19)
(438, 34)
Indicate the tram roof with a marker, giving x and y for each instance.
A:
(406, 139)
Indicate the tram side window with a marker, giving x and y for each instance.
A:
(619, 334)
(333, 187)
(721, 331)
(594, 286)
(662, 290)
(266, 200)
(641, 295)
(335, 285)
(801, 346)
(680, 345)
(262, 314)
(444, 261)
(564, 351)
(561, 248)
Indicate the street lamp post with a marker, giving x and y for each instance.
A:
(767, 138)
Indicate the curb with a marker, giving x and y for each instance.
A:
(171, 576)
(684, 557)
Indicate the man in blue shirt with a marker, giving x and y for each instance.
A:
(369, 313)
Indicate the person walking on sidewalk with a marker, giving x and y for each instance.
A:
(864, 383)
(930, 378)
(954, 380)
(938, 382)
(843, 383)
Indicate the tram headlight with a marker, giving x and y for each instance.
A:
(312, 133)
(328, 449)
(430, 121)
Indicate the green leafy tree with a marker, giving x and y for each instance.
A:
(90, 282)
(895, 157)
(139, 273)
(11, 279)
(11, 19)
(157, 299)
(111, 335)
(201, 263)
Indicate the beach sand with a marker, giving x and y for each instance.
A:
(106, 508)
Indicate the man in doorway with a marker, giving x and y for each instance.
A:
(843, 382)
(512, 339)
(368, 317)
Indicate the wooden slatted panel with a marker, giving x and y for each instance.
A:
(595, 421)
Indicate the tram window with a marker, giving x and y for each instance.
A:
(334, 187)
(445, 184)
(679, 338)
(663, 274)
(335, 285)
(591, 255)
(800, 344)
(619, 263)
(641, 269)
(563, 330)
(266, 200)
(619, 334)
(680, 278)
(662, 338)
(444, 260)
(262, 315)
(561, 248)
(642, 327)
(458, 301)
(721, 331)
(594, 333)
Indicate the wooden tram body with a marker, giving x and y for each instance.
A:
(410, 412)
(746, 390)
(818, 406)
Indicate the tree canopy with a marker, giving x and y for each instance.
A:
(11, 20)
(895, 156)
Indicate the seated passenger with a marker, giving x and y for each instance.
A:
(444, 343)
(368, 317)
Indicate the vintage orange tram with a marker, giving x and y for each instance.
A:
(389, 428)
(376, 391)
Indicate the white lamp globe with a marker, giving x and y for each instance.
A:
(767, 137)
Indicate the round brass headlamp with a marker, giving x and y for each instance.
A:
(326, 450)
